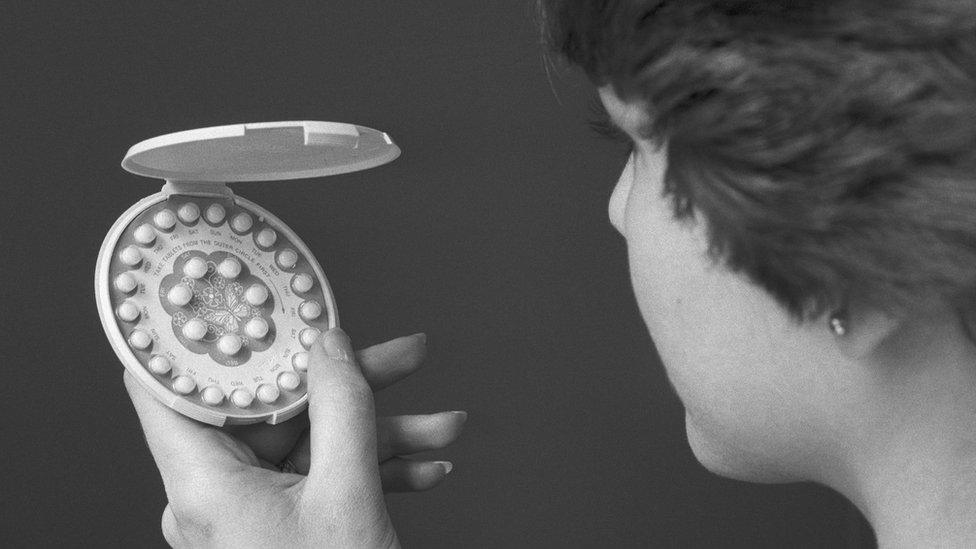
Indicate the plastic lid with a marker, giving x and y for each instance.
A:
(261, 152)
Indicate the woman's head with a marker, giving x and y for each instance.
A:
(791, 159)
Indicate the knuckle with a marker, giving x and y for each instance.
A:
(349, 392)
(192, 518)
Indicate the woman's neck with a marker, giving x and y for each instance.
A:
(912, 469)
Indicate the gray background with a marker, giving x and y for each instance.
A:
(489, 233)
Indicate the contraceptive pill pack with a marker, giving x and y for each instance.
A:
(209, 300)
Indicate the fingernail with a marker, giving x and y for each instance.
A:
(421, 336)
(334, 342)
(462, 414)
(447, 465)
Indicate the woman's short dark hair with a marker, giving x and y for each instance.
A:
(830, 145)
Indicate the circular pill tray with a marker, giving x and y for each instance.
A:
(209, 300)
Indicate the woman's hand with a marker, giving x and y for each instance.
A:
(224, 491)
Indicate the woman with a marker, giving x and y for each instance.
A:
(799, 215)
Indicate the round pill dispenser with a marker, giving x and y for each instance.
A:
(209, 300)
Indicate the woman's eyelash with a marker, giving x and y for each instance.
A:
(600, 123)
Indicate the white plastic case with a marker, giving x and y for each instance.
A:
(212, 313)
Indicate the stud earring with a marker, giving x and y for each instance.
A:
(838, 323)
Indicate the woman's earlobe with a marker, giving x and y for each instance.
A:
(858, 331)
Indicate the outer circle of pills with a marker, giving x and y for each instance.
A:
(125, 282)
(184, 385)
(180, 295)
(266, 238)
(127, 311)
(130, 255)
(212, 395)
(241, 398)
(300, 361)
(308, 336)
(257, 328)
(230, 344)
(140, 340)
(159, 364)
(267, 393)
(287, 258)
(289, 381)
(189, 213)
(194, 329)
(256, 294)
(165, 219)
(195, 267)
(302, 282)
(229, 268)
(144, 234)
(242, 223)
(215, 214)
(310, 310)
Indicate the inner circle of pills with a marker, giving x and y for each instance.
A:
(256, 294)
(195, 267)
(229, 268)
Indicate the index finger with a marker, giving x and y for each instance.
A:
(386, 363)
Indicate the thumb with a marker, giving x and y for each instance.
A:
(342, 419)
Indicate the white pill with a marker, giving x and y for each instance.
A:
(195, 267)
(229, 268)
(289, 381)
(287, 258)
(212, 395)
(257, 328)
(189, 213)
(144, 234)
(230, 344)
(266, 238)
(302, 282)
(165, 219)
(184, 385)
(140, 339)
(241, 223)
(194, 329)
(159, 364)
(242, 398)
(125, 282)
(130, 255)
(179, 295)
(215, 214)
(310, 310)
(300, 361)
(256, 294)
(127, 311)
(267, 393)
(308, 336)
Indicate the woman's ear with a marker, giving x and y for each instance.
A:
(865, 328)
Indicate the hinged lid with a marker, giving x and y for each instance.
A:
(261, 152)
